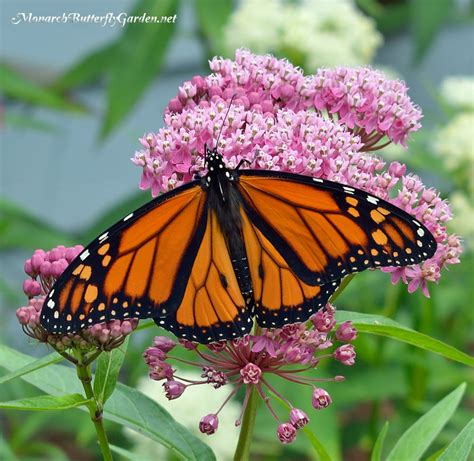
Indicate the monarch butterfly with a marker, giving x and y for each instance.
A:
(206, 258)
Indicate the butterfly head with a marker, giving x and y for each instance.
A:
(216, 168)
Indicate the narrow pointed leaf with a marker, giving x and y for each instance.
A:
(16, 225)
(126, 406)
(46, 402)
(137, 60)
(212, 17)
(461, 446)
(427, 18)
(383, 326)
(87, 70)
(45, 361)
(16, 86)
(416, 440)
(107, 371)
(378, 446)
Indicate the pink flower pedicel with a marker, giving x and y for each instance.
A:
(247, 362)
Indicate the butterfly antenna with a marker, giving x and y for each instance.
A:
(225, 118)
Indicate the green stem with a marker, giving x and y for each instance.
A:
(95, 410)
(242, 451)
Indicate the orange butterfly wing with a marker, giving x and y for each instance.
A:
(324, 230)
(137, 269)
(213, 307)
(280, 296)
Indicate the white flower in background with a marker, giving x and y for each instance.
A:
(314, 33)
(454, 143)
(187, 410)
(458, 91)
(462, 222)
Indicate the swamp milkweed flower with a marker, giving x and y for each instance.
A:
(43, 269)
(247, 362)
(326, 125)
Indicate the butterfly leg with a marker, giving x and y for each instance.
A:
(244, 160)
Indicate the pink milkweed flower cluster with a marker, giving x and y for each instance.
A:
(246, 363)
(325, 125)
(43, 269)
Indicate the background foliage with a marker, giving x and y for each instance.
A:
(111, 88)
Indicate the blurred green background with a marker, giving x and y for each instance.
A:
(75, 99)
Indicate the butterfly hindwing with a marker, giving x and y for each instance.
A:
(212, 308)
(136, 269)
(280, 296)
(324, 230)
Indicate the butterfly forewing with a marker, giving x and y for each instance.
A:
(324, 230)
(136, 269)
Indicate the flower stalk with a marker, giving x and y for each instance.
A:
(83, 368)
(242, 451)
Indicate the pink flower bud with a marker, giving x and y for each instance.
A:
(126, 327)
(174, 389)
(298, 418)
(287, 91)
(29, 268)
(54, 254)
(163, 343)
(214, 91)
(45, 269)
(153, 354)
(267, 106)
(23, 315)
(104, 335)
(116, 330)
(71, 253)
(31, 288)
(286, 432)
(36, 260)
(175, 105)
(198, 82)
(345, 354)
(346, 332)
(254, 97)
(321, 399)
(56, 269)
(209, 424)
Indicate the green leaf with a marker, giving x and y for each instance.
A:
(378, 325)
(378, 446)
(461, 446)
(45, 361)
(137, 61)
(46, 402)
(107, 372)
(415, 441)
(126, 406)
(16, 230)
(87, 70)
(126, 454)
(427, 18)
(212, 16)
(20, 88)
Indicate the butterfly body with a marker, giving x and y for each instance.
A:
(225, 201)
(206, 258)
